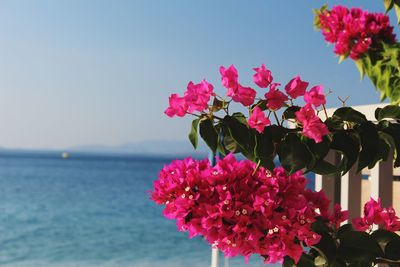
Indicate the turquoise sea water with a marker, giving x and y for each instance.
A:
(89, 210)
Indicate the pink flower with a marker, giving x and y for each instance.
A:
(339, 215)
(355, 31)
(177, 106)
(360, 224)
(372, 211)
(229, 79)
(240, 208)
(315, 130)
(198, 95)
(262, 77)
(275, 98)
(296, 87)
(244, 95)
(390, 220)
(257, 120)
(312, 125)
(375, 214)
(315, 96)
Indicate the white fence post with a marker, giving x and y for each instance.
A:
(214, 257)
(330, 183)
(350, 195)
(382, 181)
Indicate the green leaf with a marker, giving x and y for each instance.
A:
(392, 249)
(323, 167)
(382, 153)
(397, 9)
(193, 136)
(230, 143)
(326, 248)
(288, 262)
(290, 112)
(383, 237)
(383, 68)
(242, 135)
(358, 247)
(321, 149)
(238, 131)
(377, 111)
(388, 112)
(293, 154)
(342, 58)
(262, 104)
(320, 226)
(217, 105)
(393, 130)
(349, 114)
(344, 229)
(209, 134)
(348, 144)
(334, 124)
(360, 67)
(264, 145)
(369, 144)
(305, 261)
(317, 12)
(388, 4)
(277, 132)
(264, 149)
(240, 117)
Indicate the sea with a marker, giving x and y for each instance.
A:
(90, 210)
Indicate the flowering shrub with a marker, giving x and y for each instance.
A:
(368, 39)
(355, 31)
(253, 207)
(298, 135)
(242, 209)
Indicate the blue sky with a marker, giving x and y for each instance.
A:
(100, 72)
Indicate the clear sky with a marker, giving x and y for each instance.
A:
(100, 72)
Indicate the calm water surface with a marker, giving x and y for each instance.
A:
(89, 210)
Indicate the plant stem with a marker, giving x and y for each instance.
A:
(326, 113)
(276, 118)
(258, 166)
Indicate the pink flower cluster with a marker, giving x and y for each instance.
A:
(354, 31)
(240, 209)
(312, 126)
(375, 214)
(196, 98)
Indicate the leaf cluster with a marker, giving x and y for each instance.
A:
(348, 247)
(351, 134)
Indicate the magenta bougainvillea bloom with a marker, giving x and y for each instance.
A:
(354, 31)
(198, 95)
(315, 96)
(313, 127)
(296, 87)
(244, 95)
(275, 98)
(375, 214)
(258, 120)
(262, 77)
(229, 79)
(177, 106)
(242, 209)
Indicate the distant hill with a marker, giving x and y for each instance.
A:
(155, 147)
